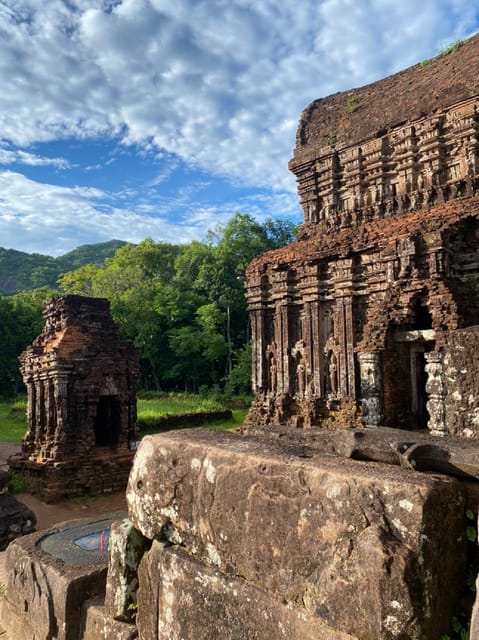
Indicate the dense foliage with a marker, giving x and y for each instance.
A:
(183, 306)
(21, 271)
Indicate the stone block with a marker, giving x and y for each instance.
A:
(16, 519)
(126, 549)
(99, 625)
(45, 591)
(181, 598)
(365, 548)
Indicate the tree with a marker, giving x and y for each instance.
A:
(21, 321)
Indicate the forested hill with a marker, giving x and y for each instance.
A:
(21, 271)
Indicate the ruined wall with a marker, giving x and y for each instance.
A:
(346, 320)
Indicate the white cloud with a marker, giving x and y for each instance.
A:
(46, 218)
(220, 84)
(9, 156)
(216, 84)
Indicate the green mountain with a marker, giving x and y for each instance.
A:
(21, 271)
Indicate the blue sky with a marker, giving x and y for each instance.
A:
(161, 118)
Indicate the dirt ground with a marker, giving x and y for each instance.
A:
(50, 514)
(87, 507)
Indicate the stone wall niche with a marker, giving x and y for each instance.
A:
(81, 407)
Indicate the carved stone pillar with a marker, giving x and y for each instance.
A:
(370, 367)
(436, 390)
(28, 442)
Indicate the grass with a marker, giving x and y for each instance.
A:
(156, 405)
(172, 403)
(13, 424)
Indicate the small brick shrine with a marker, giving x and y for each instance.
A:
(81, 407)
(369, 317)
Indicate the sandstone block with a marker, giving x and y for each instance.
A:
(98, 625)
(44, 594)
(126, 549)
(309, 528)
(196, 601)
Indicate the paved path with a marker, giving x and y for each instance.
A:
(7, 449)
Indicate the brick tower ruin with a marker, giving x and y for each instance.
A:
(81, 407)
(369, 317)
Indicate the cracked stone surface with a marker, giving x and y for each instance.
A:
(310, 528)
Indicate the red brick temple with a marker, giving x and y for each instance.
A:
(81, 409)
(370, 316)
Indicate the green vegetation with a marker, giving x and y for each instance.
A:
(460, 623)
(17, 483)
(182, 306)
(13, 424)
(460, 632)
(153, 406)
(351, 104)
(452, 48)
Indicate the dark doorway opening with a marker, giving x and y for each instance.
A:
(107, 421)
(420, 416)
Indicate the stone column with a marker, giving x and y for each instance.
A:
(28, 441)
(436, 390)
(370, 367)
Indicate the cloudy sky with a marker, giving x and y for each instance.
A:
(161, 118)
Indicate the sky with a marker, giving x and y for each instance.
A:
(130, 119)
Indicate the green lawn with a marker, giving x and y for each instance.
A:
(13, 424)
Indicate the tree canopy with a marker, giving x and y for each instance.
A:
(183, 306)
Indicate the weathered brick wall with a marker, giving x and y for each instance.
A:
(386, 264)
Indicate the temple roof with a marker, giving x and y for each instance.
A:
(347, 118)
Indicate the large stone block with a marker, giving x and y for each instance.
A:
(181, 598)
(364, 547)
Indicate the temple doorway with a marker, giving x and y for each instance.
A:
(107, 424)
(405, 377)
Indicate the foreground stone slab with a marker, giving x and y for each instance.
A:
(365, 548)
(182, 598)
(49, 578)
